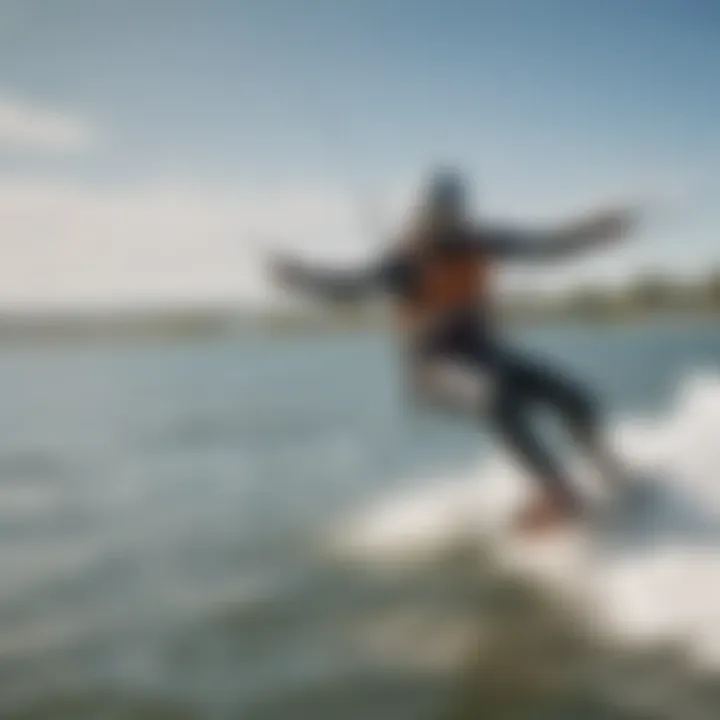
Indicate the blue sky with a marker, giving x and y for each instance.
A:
(223, 118)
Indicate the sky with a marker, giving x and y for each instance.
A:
(150, 149)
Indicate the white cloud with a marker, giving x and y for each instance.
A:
(26, 126)
(69, 243)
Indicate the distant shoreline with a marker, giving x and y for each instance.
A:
(189, 325)
(646, 298)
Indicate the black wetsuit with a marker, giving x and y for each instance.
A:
(518, 383)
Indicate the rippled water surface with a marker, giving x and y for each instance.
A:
(168, 515)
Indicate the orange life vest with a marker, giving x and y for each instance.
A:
(444, 284)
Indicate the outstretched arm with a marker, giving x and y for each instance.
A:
(595, 230)
(329, 284)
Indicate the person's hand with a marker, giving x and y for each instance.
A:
(285, 271)
(609, 225)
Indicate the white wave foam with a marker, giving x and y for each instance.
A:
(655, 576)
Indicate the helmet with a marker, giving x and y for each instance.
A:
(445, 195)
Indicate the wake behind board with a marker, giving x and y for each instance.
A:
(625, 505)
(632, 517)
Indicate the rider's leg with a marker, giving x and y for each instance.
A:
(510, 417)
(578, 408)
